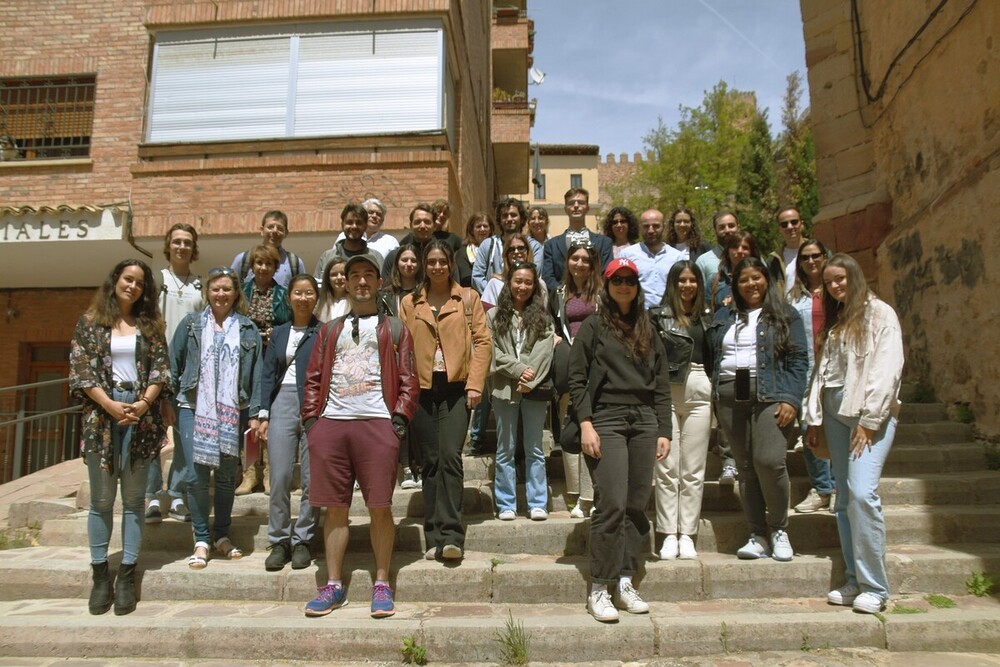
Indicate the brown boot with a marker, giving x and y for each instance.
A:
(249, 480)
(266, 475)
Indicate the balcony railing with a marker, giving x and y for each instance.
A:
(46, 118)
(33, 440)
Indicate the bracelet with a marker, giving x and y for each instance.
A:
(146, 401)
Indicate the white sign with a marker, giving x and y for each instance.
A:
(58, 226)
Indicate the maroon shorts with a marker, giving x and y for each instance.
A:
(342, 450)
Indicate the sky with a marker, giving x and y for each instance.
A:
(612, 67)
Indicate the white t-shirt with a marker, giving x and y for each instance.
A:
(739, 347)
(356, 380)
(789, 255)
(178, 297)
(123, 358)
(295, 337)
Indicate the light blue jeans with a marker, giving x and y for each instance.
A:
(104, 488)
(176, 481)
(225, 485)
(820, 475)
(505, 483)
(860, 521)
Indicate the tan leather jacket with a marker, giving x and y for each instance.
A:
(465, 341)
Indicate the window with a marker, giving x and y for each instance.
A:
(46, 117)
(576, 180)
(539, 182)
(321, 81)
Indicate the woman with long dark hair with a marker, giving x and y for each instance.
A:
(403, 278)
(758, 379)
(118, 370)
(570, 305)
(621, 226)
(684, 235)
(682, 321)
(806, 296)
(854, 398)
(452, 348)
(521, 388)
(215, 360)
(620, 388)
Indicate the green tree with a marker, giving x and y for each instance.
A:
(796, 154)
(756, 189)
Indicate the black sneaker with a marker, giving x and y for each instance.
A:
(153, 514)
(280, 554)
(301, 556)
(180, 512)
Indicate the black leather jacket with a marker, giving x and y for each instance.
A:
(679, 345)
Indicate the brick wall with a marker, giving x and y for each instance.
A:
(44, 316)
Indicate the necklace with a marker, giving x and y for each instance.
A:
(178, 283)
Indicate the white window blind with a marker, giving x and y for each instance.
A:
(299, 85)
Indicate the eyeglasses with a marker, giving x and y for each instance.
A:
(618, 281)
(517, 248)
(813, 257)
(794, 222)
(355, 330)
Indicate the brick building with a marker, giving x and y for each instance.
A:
(138, 114)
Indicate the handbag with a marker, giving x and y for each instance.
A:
(569, 436)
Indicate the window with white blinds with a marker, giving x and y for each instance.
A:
(309, 84)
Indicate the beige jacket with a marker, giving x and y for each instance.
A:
(874, 371)
(465, 362)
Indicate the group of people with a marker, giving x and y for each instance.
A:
(634, 341)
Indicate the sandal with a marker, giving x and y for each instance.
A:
(197, 562)
(227, 550)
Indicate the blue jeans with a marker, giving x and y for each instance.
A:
(820, 475)
(505, 483)
(225, 485)
(480, 419)
(860, 521)
(104, 488)
(176, 481)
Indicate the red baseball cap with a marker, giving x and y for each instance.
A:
(616, 265)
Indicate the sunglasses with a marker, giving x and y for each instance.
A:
(221, 271)
(813, 257)
(618, 281)
(795, 222)
(517, 248)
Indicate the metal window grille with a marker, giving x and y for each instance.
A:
(46, 118)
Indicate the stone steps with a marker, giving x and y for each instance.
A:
(263, 631)
(63, 572)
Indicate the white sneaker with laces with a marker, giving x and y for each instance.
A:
(507, 515)
(538, 514)
(843, 596)
(756, 547)
(576, 512)
(600, 607)
(868, 603)
(409, 481)
(627, 599)
(669, 549)
(685, 548)
(781, 546)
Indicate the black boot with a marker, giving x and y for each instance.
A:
(125, 590)
(100, 594)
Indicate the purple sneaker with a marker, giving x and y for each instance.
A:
(382, 603)
(327, 599)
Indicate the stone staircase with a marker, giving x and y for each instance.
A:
(942, 512)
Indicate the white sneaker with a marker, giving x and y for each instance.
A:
(507, 515)
(868, 603)
(538, 514)
(756, 547)
(685, 547)
(452, 552)
(576, 512)
(409, 481)
(600, 607)
(843, 596)
(781, 547)
(669, 549)
(627, 599)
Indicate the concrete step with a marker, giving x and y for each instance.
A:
(723, 532)
(468, 632)
(60, 572)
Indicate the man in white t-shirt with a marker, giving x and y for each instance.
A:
(360, 393)
(781, 263)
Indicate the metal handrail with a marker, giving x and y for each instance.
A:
(34, 385)
(43, 415)
(17, 430)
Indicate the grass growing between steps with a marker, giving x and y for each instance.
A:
(514, 642)
(940, 601)
(979, 584)
(413, 652)
(19, 538)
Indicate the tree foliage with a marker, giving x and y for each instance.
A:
(721, 155)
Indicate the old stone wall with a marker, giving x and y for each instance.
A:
(909, 175)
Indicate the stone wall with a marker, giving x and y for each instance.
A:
(910, 181)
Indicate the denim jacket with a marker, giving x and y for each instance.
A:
(679, 345)
(778, 379)
(185, 359)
